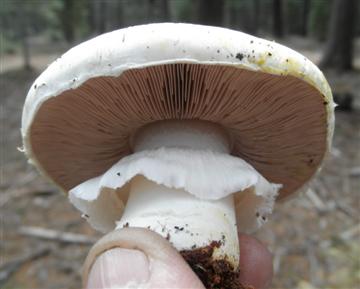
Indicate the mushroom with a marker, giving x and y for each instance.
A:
(190, 131)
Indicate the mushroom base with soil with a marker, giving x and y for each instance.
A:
(213, 273)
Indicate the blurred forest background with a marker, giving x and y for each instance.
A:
(315, 238)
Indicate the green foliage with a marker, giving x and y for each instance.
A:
(19, 18)
(8, 35)
(73, 17)
(320, 11)
(235, 4)
(294, 10)
(242, 14)
(52, 30)
(184, 10)
(55, 21)
(7, 45)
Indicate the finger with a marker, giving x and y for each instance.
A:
(135, 257)
(255, 263)
(119, 267)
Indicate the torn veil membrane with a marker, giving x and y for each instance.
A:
(204, 174)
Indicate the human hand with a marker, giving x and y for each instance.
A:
(140, 258)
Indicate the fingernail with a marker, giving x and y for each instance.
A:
(118, 268)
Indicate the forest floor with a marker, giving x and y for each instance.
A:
(315, 237)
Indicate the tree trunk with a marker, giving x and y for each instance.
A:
(23, 20)
(233, 17)
(67, 20)
(149, 7)
(102, 17)
(164, 10)
(157, 11)
(278, 19)
(91, 19)
(256, 14)
(26, 50)
(210, 12)
(339, 48)
(120, 14)
(305, 14)
(114, 15)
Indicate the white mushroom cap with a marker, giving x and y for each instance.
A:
(83, 109)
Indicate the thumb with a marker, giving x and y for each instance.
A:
(136, 258)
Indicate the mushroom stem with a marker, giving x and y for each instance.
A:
(188, 134)
(186, 221)
(182, 182)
